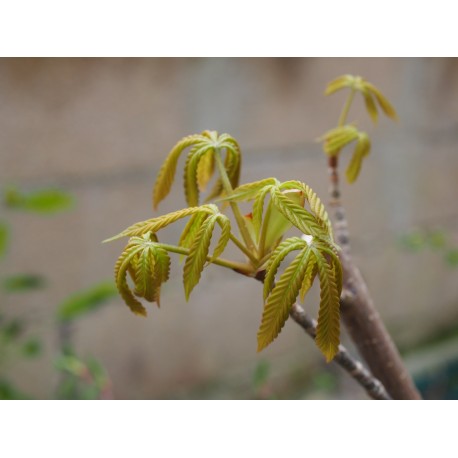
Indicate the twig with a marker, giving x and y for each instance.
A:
(359, 314)
(355, 368)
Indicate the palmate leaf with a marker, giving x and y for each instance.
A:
(281, 299)
(328, 328)
(199, 167)
(148, 264)
(368, 90)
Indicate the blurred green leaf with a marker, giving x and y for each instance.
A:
(9, 392)
(86, 301)
(31, 348)
(436, 239)
(12, 329)
(414, 241)
(451, 256)
(325, 381)
(261, 374)
(45, 201)
(23, 282)
(4, 235)
(72, 365)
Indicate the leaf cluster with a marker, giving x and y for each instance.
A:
(344, 134)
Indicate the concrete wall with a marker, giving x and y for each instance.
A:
(101, 128)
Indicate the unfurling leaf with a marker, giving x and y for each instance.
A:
(368, 90)
(148, 264)
(336, 139)
(199, 167)
(281, 299)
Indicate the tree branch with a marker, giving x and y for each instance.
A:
(359, 314)
(355, 368)
(374, 387)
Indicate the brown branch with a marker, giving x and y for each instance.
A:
(355, 368)
(359, 314)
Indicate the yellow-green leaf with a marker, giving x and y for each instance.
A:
(279, 254)
(281, 299)
(121, 281)
(205, 170)
(309, 276)
(195, 262)
(385, 105)
(362, 149)
(339, 83)
(166, 173)
(297, 215)
(370, 106)
(155, 224)
(328, 328)
(336, 139)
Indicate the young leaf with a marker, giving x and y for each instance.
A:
(166, 174)
(198, 253)
(385, 105)
(370, 106)
(362, 149)
(191, 187)
(281, 299)
(225, 225)
(249, 191)
(121, 268)
(309, 276)
(205, 170)
(86, 301)
(297, 215)
(328, 328)
(155, 224)
(280, 253)
(336, 139)
(339, 83)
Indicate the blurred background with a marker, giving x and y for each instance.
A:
(81, 143)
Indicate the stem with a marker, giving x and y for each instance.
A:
(237, 266)
(235, 209)
(357, 308)
(243, 248)
(355, 368)
(265, 223)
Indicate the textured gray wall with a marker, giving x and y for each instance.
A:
(101, 128)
